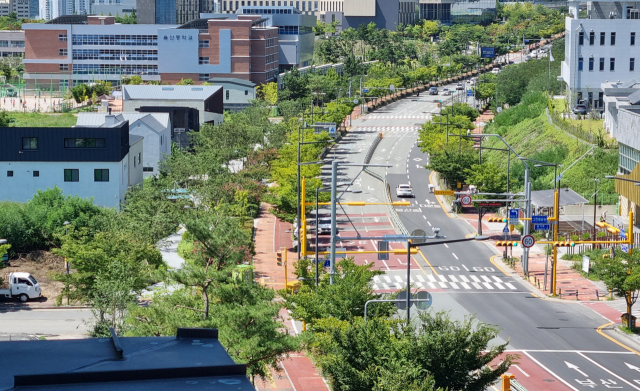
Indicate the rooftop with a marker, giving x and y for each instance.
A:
(132, 92)
(69, 19)
(544, 198)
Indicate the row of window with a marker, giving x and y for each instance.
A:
(271, 42)
(114, 54)
(203, 60)
(267, 11)
(603, 38)
(269, 58)
(305, 5)
(612, 64)
(73, 174)
(294, 30)
(11, 44)
(246, 92)
(31, 143)
(111, 40)
(203, 44)
(108, 69)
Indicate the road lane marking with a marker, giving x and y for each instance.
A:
(427, 261)
(424, 217)
(446, 245)
(431, 179)
(608, 371)
(510, 285)
(455, 256)
(429, 223)
(492, 259)
(476, 285)
(487, 285)
(520, 369)
(548, 370)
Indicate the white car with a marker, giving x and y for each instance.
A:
(495, 71)
(324, 226)
(404, 191)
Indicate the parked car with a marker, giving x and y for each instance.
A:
(22, 286)
(460, 86)
(433, 91)
(404, 191)
(580, 109)
(495, 71)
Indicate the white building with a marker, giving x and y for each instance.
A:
(155, 128)
(618, 96)
(96, 163)
(238, 93)
(601, 48)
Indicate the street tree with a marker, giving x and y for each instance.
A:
(453, 165)
(621, 275)
(487, 177)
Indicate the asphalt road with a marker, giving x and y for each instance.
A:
(21, 322)
(559, 343)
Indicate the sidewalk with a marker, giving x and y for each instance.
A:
(297, 373)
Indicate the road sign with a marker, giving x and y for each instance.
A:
(392, 87)
(623, 234)
(469, 92)
(355, 101)
(444, 192)
(506, 229)
(528, 241)
(486, 204)
(327, 263)
(402, 295)
(418, 232)
(586, 264)
(466, 200)
(559, 177)
(332, 131)
(365, 90)
(423, 295)
(514, 215)
(542, 227)
(383, 245)
(539, 219)
(487, 52)
(625, 248)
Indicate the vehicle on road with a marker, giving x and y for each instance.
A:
(433, 91)
(446, 91)
(404, 191)
(495, 71)
(22, 286)
(324, 226)
(460, 86)
(580, 108)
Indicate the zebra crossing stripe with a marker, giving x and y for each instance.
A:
(454, 285)
(476, 285)
(419, 285)
(385, 286)
(465, 285)
(398, 279)
(457, 282)
(420, 278)
(442, 278)
(474, 278)
(496, 278)
(387, 279)
(464, 278)
(432, 285)
(453, 278)
(499, 285)
(376, 279)
(431, 278)
(510, 285)
(487, 285)
(487, 279)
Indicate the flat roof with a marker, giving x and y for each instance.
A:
(131, 92)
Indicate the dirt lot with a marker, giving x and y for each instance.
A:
(41, 265)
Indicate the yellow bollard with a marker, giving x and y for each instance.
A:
(506, 381)
(304, 326)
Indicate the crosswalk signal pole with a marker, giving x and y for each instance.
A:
(408, 282)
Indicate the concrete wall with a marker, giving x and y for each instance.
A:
(155, 146)
(575, 210)
(628, 125)
(136, 157)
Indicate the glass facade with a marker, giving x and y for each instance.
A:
(166, 12)
(115, 55)
(109, 69)
(474, 12)
(294, 30)
(628, 158)
(111, 40)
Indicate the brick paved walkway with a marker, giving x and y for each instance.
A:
(297, 372)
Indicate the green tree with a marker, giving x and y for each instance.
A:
(621, 275)
(453, 166)
(185, 82)
(488, 178)
(269, 93)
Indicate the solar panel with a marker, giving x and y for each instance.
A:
(628, 84)
(634, 98)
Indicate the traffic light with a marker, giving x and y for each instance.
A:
(506, 243)
(497, 220)
(564, 244)
(279, 258)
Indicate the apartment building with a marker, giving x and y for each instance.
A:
(22, 8)
(11, 43)
(295, 32)
(600, 48)
(173, 11)
(78, 49)
(113, 7)
(97, 163)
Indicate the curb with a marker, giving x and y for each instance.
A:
(628, 338)
(47, 307)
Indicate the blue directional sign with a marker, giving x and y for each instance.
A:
(542, 227)
(487, 52)
(469, 93)
(623, 234)
(327, 263)
(513, 216)
(539, 219)
(505, 230)
(365, 90)
(624, 248)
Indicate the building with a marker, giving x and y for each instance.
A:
(188, 106)
(193, 359)
(111, 7)
(173, 11)
(238, 93)
(295, 32)
(600, 48)
(458, 11)
(51, 9)
(11, 43)
(98, 163)
(154, 128)
(615, 97)
(22, 8)
(77, 49)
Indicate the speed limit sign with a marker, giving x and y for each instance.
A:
(528, 241)
(466, 200)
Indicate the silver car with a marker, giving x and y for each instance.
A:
(404, 191)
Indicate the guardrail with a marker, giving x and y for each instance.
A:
(517, 386)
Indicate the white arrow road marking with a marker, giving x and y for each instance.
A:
(633, 367)
(417, 159)
(608, 371)
(573, 366)
(376, 219)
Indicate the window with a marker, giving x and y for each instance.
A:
(612, 64)
(203, 77)
(71, 175)
(246, 92)
(581, 38)
(147, 169)
(633, 39)
(62, 37)
(84, 143)
(9, 173)
(224, 5)
(63, 67)
(101, 175)
(203, 44)
(602, 39)
(36, 173)
(592, 38)
(227, 94)
(591, 60)
(613, 39)
(580, 63)
(62, 52)
(29, 143)
(203, 60)
(602, 63)
(632, 64)
(139, 157)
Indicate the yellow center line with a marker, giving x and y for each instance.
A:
(599, 330)
(428, 263)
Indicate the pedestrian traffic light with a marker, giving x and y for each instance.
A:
(497, 220)
(564, 244)
(506, 243)
(279, 257)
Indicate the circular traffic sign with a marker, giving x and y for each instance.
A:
(423, 295)
(418, 232)
(528, 241)
(466, 200)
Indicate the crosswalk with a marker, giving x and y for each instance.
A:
(388, 128)
(412, 116)
(442, 281)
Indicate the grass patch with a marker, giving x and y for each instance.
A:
(630, 331)
(42, 120)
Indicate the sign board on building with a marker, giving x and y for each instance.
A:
(513, 216)
(487, 52)
(624, 248)
(444, 192)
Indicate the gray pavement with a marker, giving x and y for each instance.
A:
(19, 323)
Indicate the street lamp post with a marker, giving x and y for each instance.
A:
(66, 263)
